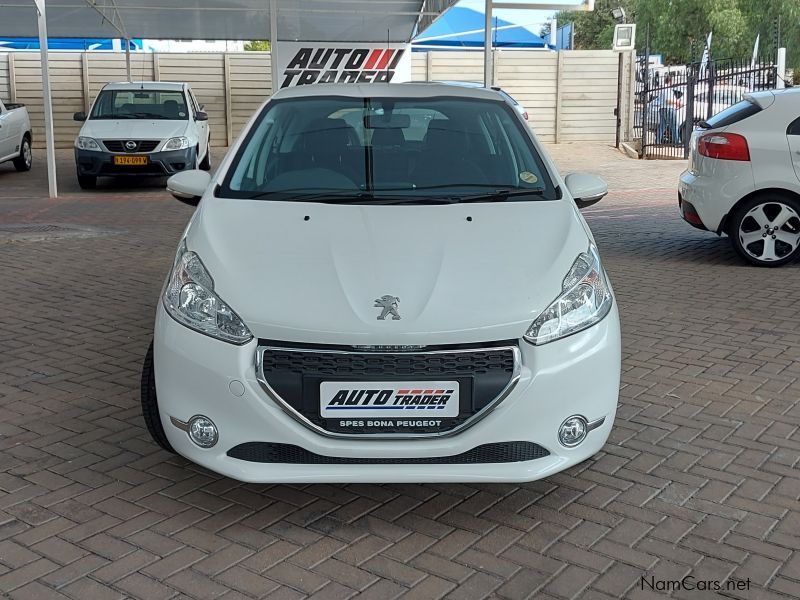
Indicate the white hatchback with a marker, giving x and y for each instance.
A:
(743, 177)
(385, 283)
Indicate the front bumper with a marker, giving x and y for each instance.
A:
(101, 163)
(198, 375)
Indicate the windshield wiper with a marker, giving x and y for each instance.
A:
(146, 115)
(354, 198)
(329, 196)
(501, 195)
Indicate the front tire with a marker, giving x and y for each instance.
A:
(24, 161)
(765, 230)
(205, 164)
(87, 182)
(152, 418)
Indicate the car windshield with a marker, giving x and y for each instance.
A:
(388, 150)
(140, 104)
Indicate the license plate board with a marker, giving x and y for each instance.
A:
(388, 399)
(131, 160)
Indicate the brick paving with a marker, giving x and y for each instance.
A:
(700, 476)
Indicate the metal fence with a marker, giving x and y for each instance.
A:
(671, 101)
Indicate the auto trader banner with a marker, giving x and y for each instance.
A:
(306, 63)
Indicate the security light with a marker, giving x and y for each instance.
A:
(618, 14)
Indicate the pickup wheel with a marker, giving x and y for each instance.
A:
(152, 418)
(87, 182)
(25, 159)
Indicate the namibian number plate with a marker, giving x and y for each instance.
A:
(131, 160)
(388, 399)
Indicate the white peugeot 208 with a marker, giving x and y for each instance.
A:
(385, 283)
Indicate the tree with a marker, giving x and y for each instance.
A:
(678, 28)
(595, 30)
(257, 46)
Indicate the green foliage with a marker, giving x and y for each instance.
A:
(257, 46)
(678, 28)
(595, 29)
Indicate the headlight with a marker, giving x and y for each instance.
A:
(190, 299)
(87, 143)
(585, 300)
(178, 143)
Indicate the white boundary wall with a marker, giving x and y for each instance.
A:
(570, 96)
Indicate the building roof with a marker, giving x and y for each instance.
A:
(301, 20)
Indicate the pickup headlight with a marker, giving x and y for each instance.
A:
(585, 299)
(177, 143)
(87, 143)
(190, 299)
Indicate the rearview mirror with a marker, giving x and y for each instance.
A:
(79, 116)
(398, 121)
(200, 116)
(189, 186)
(586, 189)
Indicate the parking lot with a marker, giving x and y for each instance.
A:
(700, 475)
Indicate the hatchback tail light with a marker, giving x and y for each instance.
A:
(525, 115)
(725, 146)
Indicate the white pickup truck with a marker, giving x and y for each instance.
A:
(142, 128)
(15, 136)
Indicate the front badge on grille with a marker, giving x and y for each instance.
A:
(388, 304)
(130, 145)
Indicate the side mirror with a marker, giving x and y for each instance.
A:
(200, 116)
(79, 116)
(189, 186)
(585, 188)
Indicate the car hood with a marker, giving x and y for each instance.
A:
(311, 272)
(135, 129)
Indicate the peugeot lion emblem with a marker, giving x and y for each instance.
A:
(130, 145)
(389, 305)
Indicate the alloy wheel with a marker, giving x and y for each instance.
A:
(770, 231)
(27, 155)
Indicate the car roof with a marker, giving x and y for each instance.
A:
(388, 90)
(145, 85)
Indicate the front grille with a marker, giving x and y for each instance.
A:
(501, 452)
(141, 145)
(294, 375)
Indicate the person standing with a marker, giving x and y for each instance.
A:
(669, 103)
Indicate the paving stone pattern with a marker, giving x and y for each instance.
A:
(700, 476)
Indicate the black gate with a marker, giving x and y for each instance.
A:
(671, 101)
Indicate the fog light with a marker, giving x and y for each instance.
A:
(202, 431)
(572, 431)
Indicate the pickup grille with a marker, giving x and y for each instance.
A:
(141, 145)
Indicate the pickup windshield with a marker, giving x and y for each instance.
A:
(140, 104)
(388, 151)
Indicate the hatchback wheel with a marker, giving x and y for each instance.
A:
(152, 418)
(765, 230)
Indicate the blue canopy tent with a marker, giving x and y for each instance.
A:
(29, 43)
(462, 27)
